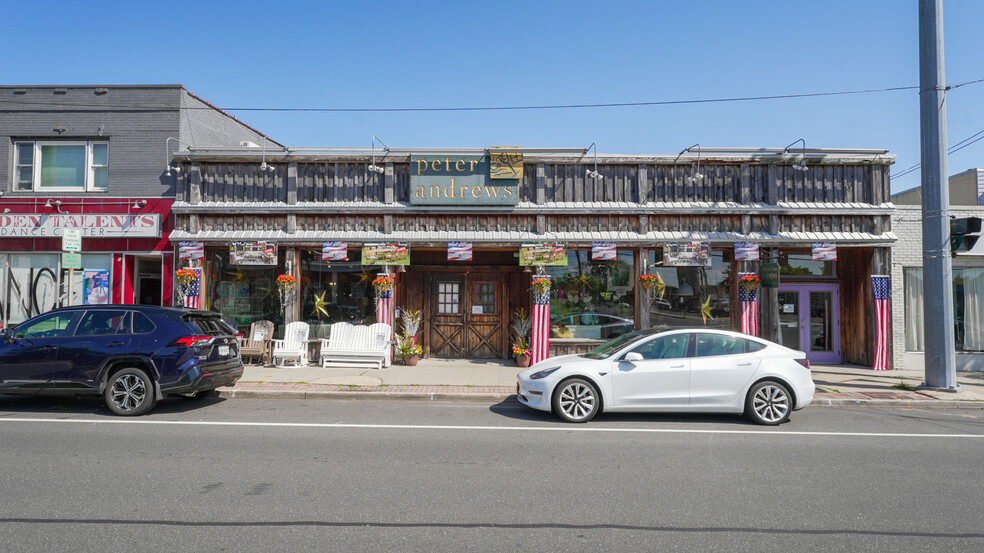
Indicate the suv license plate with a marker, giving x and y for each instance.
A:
(223, 350)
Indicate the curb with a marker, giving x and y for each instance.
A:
(231, 393)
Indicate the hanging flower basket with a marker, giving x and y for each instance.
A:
(750, 282)
(541, 285)
(286, 286)
(286, 282)
(648, 281)
(382, 283)
(184, 277)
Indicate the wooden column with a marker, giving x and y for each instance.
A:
(769, 303)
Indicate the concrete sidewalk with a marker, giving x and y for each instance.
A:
(486, 380)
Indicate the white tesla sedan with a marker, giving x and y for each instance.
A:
(680, 370)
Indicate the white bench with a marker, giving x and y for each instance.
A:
(357, 346)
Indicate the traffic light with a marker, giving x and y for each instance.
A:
(963, 234)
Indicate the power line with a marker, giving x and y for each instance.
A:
(976, 137)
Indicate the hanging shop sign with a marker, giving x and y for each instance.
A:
(603, 251)
(460, 180)
(746, 251)
(334, 251)
(459, 251)
(391, 253)
(769, 273)
(191, 250)
(693, 254)
(48, 225)
(543, 254)
(95, 287)
(253, 253)
(824, 251)
(505, 164)
(71, 260)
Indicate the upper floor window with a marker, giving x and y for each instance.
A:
(63, 166)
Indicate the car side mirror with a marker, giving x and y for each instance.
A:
(632, 357)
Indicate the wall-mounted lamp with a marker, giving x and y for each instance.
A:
(139, 203)
(801, 164)
(167, 156)
(55, 204)
(372, 166)
(697, 175)
(592, 174)
(6, 210)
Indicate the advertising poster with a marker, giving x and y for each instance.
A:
(746, 251)
(543, 254)
(459, 251)
(191, 250)
(95, 287)
(334, 251)
(603, 251)
(824, 251)
(694, 254)
(392, 253)
(253, 253)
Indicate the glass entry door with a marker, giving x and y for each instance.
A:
(809, 320)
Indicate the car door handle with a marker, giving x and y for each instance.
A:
(743, 364)
(676, 366)
(48, 348)
(115, 344)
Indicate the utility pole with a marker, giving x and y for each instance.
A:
(940, 361)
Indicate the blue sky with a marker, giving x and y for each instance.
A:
(454, 54)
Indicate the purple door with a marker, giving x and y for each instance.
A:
(809, 320)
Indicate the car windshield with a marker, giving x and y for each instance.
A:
(608, 349)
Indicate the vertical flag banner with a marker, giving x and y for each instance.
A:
(540, 347)
(824, 251)
(748, 300)
(334, 251)
(746, 251)
(882, 322)
(459, 251)
(193, 298)
(603, 251)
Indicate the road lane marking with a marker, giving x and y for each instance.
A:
(494, 428)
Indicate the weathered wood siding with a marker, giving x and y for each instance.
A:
(472, 223)
(242, 182)
(338, 182)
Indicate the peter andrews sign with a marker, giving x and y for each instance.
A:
(51, 225)
(465, 180)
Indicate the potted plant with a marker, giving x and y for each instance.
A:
(382, 283)
(184, 278)
(286, 287)
(522, 325)
(750, 282)
(521, 351)
(648, 281)
(541, 285)
(410, 351)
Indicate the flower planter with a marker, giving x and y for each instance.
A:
(410, 360)
(523, 361)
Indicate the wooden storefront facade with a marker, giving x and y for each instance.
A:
(641, 203)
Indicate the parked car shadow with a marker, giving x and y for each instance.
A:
(92, 405)
(513, 409)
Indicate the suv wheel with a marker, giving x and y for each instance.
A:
(130, 392)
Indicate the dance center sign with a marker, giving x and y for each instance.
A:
(50, 225)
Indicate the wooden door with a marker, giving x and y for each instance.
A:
(447, 310)
(484, 334)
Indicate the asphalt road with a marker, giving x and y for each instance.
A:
(292, 475)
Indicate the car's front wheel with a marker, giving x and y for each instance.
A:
(769, 403)
(576, 400)
(130, 392)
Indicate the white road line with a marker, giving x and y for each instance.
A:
(499, 428)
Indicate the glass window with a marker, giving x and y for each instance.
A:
(688, 289)
(47, 326)
(592, 299)
(335, 291)
(665, 347)
(718, 344)
(142, 324)
(32, 286)
(968, 309)
(92, 282)
(802, 264)
(486, 297)
(448, 297)
(243, 293)
(62, 166)
(912, 283)
(101, 323)
(753, 346)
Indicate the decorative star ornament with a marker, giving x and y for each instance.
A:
(238, 275)
(319, 305)
(705, 310)
(660, 285)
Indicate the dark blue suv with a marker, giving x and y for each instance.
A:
(132, 355)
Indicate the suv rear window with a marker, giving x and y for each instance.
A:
(210, 326)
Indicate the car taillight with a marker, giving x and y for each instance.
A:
(193, 341)
(240, 337)
(804, 362)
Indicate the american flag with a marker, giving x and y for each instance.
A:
(880, 283)
(749, 310)
(540, 347)
(194, 291)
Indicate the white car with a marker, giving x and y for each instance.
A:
(680, 370)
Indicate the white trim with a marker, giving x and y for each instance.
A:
(89, 173)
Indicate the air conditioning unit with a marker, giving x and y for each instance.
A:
(248, 144)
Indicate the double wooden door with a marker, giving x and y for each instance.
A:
(467, 313)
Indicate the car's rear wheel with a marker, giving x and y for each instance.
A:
(576, 400)
(769, 403)
(130, 392)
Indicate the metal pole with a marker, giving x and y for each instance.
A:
(940, 359)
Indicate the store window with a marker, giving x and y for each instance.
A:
(802, 264)
(689, 289)
(91, 285)
(592, 299)
(62, 166)
(335, 291)
(243, 293)
(968, 309)
(32, 286)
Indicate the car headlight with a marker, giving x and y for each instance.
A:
(545, 372)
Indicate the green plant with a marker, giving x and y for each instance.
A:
(406, 347)
(521, 347)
